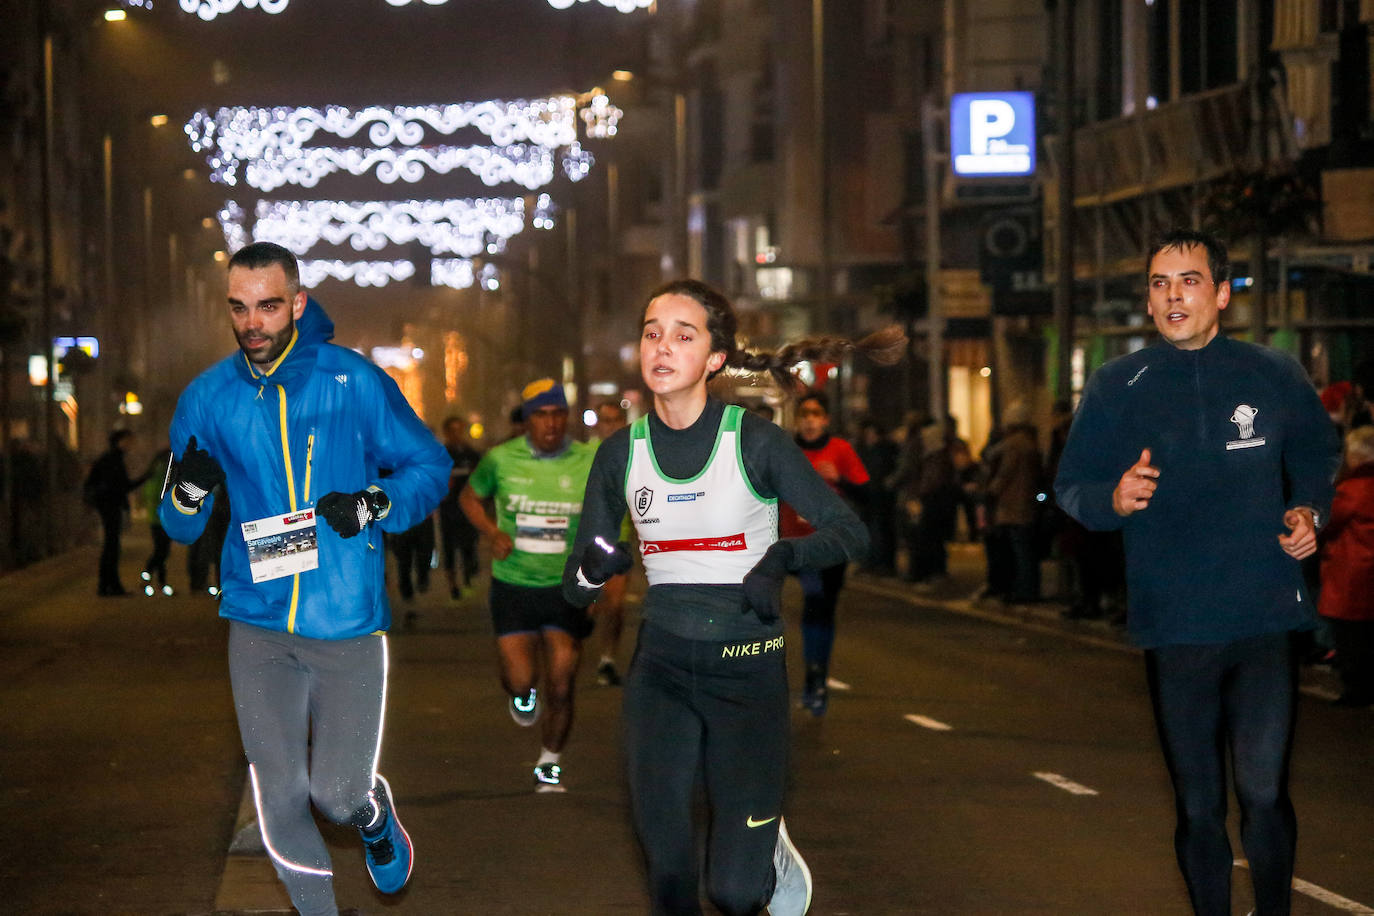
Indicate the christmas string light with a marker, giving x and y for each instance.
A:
(528, 166)
(363, 273)
(231, 218)
(256, 133)
(209, 9)
(265, 146)
(463, 227)
(600, 116)
(461, 273)
(624, 6)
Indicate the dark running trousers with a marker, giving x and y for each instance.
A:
(1240, 695)
(692, 715)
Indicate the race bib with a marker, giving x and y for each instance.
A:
(541, 533)
(281, 545)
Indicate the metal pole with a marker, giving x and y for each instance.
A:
(818, 114)
(46, 321)
(1066, 218)
(935, 312)
(105, 317)
(680, 267)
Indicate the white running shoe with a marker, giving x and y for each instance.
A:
(792, 879)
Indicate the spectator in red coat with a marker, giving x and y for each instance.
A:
(1347, 570)
(839, 465)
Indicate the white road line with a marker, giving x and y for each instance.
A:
(836, 684)
(1068, 785)
(927, 722)
(1321, 894)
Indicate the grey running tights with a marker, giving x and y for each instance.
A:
(310, 715)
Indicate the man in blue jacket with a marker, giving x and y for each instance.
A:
(288, 417)
(1215, 459)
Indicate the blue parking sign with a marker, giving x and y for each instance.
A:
(992, 133)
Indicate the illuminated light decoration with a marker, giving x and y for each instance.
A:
(231, 218)
(625, 6)
(490, 277)
(529, 166)
(577, 162)
(452, 272)
(363, 273)
(462, 227)
(257, 133)
(600, 116)
(543, 212)
(209, 9)
(461, 273)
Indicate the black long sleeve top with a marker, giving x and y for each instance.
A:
(775, 467)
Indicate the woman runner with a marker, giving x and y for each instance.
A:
(706, 695)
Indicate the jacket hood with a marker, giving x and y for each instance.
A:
(313, 329)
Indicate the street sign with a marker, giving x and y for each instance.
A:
(992, 133)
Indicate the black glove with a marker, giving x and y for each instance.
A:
(349, 513)
(196, 475)
(763, 583)
(601, 561)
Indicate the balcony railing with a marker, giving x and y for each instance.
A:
(1175, 145)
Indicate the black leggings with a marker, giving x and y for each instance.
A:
(715, 713)
(1242, 694)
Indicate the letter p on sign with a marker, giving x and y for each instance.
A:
(988, 119)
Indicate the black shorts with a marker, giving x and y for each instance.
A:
(522, 609)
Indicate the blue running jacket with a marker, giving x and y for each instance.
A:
(321, 419)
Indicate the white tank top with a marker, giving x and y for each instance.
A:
(708, 530)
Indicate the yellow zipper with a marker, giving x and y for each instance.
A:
(309, 465)
(291, 491)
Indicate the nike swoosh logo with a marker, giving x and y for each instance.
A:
(750, 822)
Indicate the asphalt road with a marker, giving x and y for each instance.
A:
(981, 761)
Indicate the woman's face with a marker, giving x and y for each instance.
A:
(675, 347)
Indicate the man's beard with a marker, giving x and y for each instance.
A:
(277, 344)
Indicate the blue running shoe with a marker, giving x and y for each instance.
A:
(525, 710)
(387, 847)
(792, 879)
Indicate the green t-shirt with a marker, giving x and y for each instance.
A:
(538, 503)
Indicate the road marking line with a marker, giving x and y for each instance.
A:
(1321, 894)
(836, 684)
(927, 722)
(1068, 785)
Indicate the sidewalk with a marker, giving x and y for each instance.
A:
(967, 575)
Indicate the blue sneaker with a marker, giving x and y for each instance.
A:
(792, 879)
(525, 710)
(387, 847)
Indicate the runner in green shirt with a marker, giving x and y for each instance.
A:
(535, 484)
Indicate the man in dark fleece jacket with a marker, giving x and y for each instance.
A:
(1215, 459)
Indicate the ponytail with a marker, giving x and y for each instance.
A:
(884, 347)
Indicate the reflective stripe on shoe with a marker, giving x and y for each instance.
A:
(525, 710)
(388, 851)
(548, 777)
